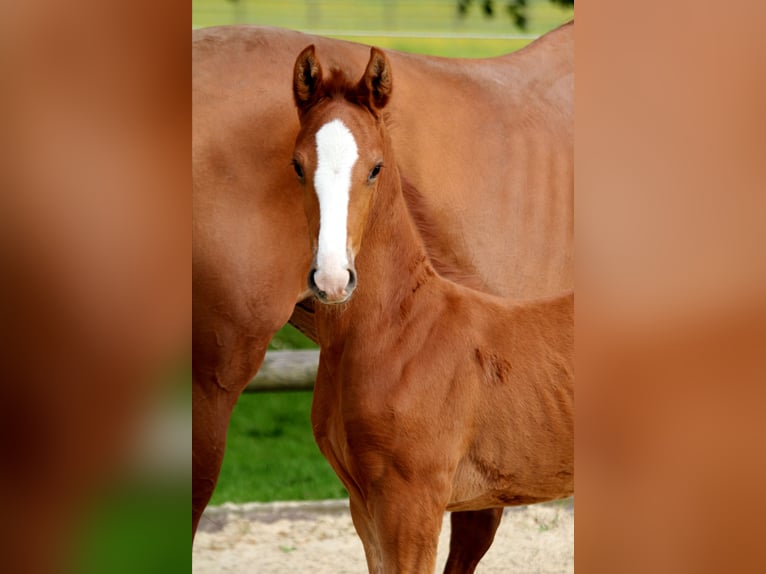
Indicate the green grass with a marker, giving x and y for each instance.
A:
(400, 15)
(289, 337)
(270, 448)
(271, 453)
(448, 47)
(333, 18)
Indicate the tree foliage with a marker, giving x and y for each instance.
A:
(516, 9)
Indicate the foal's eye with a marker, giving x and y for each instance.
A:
(374, 173)
(298, 169)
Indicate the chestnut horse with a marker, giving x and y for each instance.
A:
(430, 396)
(485, 144)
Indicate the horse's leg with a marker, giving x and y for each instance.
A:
(218, 379)
(366, 531)
(228, 349)
(471, 536)
(408, 520)
(214, 407)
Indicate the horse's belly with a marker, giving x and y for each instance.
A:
(475, 488)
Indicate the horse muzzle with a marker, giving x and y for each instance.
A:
(332, 288)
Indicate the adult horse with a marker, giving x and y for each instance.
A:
(430, 396)
(486, 145)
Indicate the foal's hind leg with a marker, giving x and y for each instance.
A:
(471, 536)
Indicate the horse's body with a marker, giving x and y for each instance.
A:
(485, 144)
(430, 396)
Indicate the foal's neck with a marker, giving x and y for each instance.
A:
(392, 266)
(392, 259)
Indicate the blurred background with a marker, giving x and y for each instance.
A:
(270, 453)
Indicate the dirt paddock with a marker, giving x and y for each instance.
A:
(318, 538)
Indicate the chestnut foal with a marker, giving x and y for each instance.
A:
(430, 396)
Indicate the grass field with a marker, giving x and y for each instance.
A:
(270, 450)
(270, 453)
(352, 21)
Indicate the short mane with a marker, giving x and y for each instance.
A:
(338, 85)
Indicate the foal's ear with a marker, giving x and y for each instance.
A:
(307, 78)
(376, 84)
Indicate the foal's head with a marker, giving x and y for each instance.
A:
(338, 157)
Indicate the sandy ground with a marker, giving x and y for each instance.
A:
(318, 538)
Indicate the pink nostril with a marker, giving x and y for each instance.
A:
(313, 286)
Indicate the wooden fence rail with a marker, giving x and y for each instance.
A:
(286, 371)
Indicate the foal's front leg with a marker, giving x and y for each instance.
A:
(365, 528)
(408, 519)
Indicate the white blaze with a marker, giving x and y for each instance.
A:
(336, 155)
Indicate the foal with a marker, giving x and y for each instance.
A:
(429, 395)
